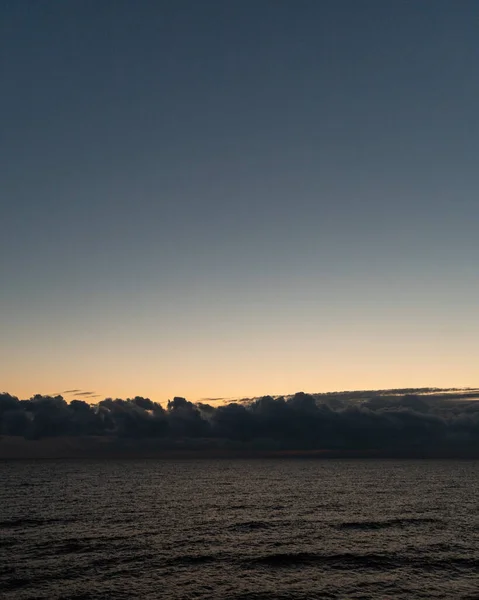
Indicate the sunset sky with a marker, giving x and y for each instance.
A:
(237, 198)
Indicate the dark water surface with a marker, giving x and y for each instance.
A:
(287, 529)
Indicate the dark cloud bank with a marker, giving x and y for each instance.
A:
(394, 423)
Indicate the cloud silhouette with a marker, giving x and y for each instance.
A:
(218, 399)
(78, 392)
(341, 421)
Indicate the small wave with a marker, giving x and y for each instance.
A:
(15, 583)
(69, 548)
(19, 582)
(193, 559)
(15, 523)
(347, 561)
(120, 520)
(84, 546)
(338, 561)
(371, 525)
(277, 595)
(7, 570)
(122, 560)
(251, 526)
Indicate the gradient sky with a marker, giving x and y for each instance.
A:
(234, 198)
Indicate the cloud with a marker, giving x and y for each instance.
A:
(218, 399)
(78, 392)
(343, 421)
(212, 399)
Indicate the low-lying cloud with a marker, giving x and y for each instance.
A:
(350, 422)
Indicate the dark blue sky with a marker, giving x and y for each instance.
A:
(235, 197)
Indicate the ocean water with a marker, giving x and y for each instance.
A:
(239, 529)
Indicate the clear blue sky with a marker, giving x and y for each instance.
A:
(232, 198)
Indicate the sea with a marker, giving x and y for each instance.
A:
(292, 529)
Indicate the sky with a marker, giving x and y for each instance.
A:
(237, 198)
